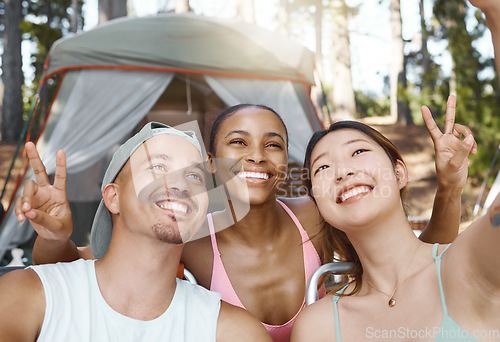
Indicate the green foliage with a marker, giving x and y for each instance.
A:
(46, 21)
(477, 100)
(43, 36)
(477, 97)
(367, 106)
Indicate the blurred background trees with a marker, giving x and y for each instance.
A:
(443, 56)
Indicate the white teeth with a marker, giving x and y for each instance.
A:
(354, 191)
(259, 175)
(174, 206)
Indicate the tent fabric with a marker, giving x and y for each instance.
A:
(224, 51)
(201, 43)
(114, 74)
(276, 94)
(88, 130)
(117, 105)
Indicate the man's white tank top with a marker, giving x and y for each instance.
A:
(76, 311)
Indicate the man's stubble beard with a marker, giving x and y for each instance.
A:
(169, 234)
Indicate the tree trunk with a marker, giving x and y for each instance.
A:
(48, 11)
(424, 52)
(344, 105)
(111, 9)
(399, 109)
(13, 78)
(283, 18)
(182, 6)
(245, 11)
(318, 29)
(74, 16)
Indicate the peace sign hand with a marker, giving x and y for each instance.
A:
(46, 205)
(451, 152)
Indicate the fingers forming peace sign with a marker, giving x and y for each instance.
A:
(451, 151)
(46, 205)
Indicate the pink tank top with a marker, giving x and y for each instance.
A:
(220, 281)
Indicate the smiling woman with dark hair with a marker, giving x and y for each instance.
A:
(400, 286)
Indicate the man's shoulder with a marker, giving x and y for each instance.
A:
(197, 291)
(22, 305)
(73, 275)
(73, 266)
(198, 308)
(21, 286)
(24, 278)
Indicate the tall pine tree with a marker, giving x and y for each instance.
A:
(12, 74)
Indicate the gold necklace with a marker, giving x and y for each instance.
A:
(392, 301)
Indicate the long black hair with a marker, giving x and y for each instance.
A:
(333, 239)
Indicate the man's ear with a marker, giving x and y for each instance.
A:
(401, 174)
(211, 163)
(111, 198)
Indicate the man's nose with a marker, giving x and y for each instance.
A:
(176, 181)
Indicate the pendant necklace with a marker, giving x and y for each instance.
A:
(392, 301)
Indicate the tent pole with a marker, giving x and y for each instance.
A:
(325, 101)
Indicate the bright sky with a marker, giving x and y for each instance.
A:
(370, 41)
(370, 32)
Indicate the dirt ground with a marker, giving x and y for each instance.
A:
(413, 142)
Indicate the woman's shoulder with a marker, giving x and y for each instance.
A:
(311, 322)
(321, 307)
(306, 211)
(309, 217)
(298, 202)
(199, 244)
(197, 257)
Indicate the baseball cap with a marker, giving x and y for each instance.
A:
(102, 226)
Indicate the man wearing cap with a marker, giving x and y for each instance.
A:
(154, 200)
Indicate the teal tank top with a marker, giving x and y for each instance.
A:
(449, 329)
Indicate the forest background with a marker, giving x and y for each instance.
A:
(377, 61)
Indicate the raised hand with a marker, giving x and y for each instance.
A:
(491, 10)
(451, 152)
(46, 205)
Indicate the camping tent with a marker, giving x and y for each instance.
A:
(170, 68)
